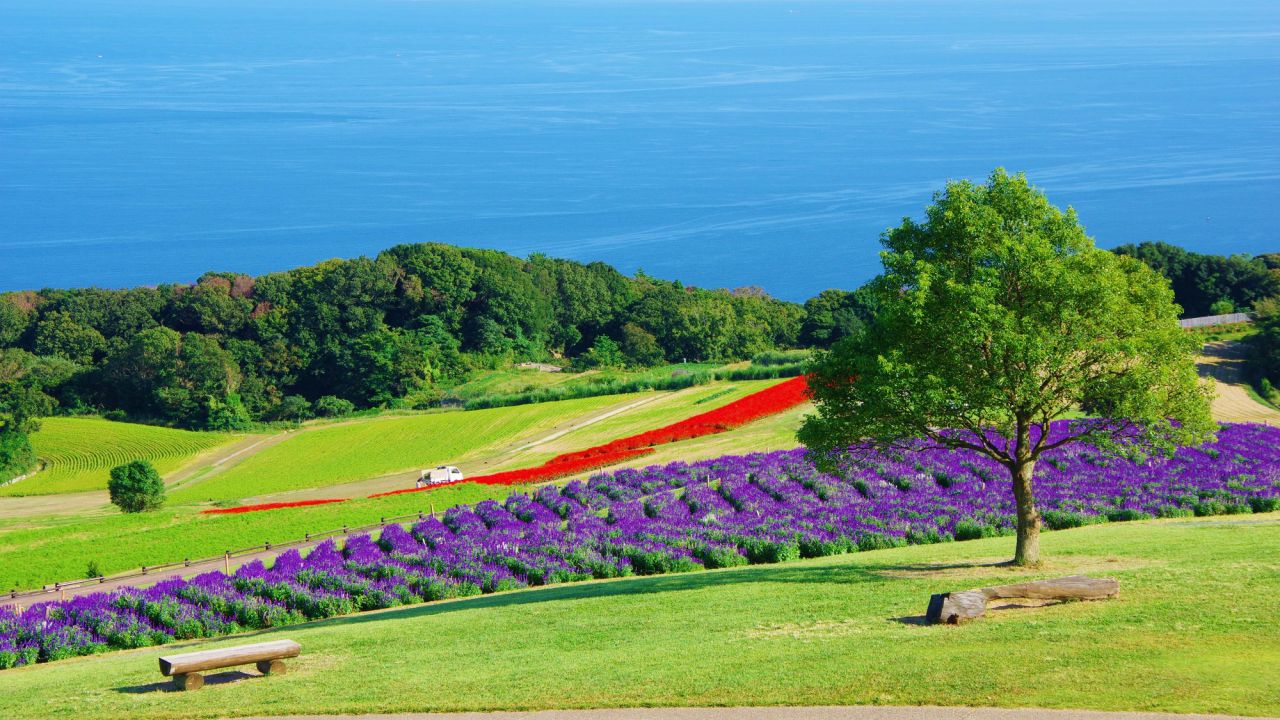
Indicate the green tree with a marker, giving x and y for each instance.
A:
(604, 353)
(61, 336)
(640, 346)
(22, 403)
(1264, 345)
(997, 315)
(833, 315)
(135, 487)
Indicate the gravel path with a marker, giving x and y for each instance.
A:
(1224, 362)
(786, 713)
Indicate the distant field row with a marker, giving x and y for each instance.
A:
(80, 452)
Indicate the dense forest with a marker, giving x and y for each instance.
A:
(1211, 284)
(393, 330)
(230, 349)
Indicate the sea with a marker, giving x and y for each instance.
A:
(725, 143)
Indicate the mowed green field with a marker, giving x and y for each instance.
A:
(1193, 630)
(80, 452)
(661, 410)
(367, 448)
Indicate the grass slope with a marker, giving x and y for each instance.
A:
(664, 410)
(360, 449)
(38, 550)
(80, 452)
(1192, 631)
(48, 550)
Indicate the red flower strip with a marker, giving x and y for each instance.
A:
(269, 506)
(770, 401)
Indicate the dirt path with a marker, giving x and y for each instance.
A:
(861, 712)
(1224, 362)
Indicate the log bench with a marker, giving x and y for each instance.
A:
(957, 607)
(269, 657)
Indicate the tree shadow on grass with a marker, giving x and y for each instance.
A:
(644, 585)
(168, 686)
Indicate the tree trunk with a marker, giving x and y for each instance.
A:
(1028, 550)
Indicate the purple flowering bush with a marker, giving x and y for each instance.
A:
(729, 511)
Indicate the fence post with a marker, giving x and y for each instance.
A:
(266, 545)
(144, 569)
(433, 510)
(226, 562)
(307, 536)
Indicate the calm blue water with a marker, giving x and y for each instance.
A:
(724, 143)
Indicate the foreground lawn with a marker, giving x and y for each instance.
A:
(80, 452)
(1193, 631)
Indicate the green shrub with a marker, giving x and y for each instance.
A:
(136, 487)
(970, 530)
(1264, 504)
(16, 455)
(1062, 519)
(877, 541)
(332, 406)
(293, 408)
(1126, 514)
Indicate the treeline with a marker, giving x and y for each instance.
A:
(1211, 284)
(391, 330)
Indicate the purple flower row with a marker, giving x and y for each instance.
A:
(678, 517)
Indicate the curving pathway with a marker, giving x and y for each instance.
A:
(861, 712)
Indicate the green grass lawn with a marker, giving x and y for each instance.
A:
(1192, 631)
(80, 452)
(367, 448)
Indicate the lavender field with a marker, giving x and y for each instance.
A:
(680, 517)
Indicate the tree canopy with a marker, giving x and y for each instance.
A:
(996, 316)
(1232, 282)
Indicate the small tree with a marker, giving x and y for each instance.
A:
(136, 487)
(996, 316)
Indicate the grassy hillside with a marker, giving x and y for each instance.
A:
(662, 410)
(366, 448)
(839, 630)
(46, 550)
(39, 550)
(80, 452)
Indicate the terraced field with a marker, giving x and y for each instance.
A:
(80, 452)
(349, 451)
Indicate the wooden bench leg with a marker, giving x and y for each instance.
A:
(271, 667)
(189, 681)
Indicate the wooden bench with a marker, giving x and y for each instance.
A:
(185, 669)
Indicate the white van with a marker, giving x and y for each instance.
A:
(439, 475)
